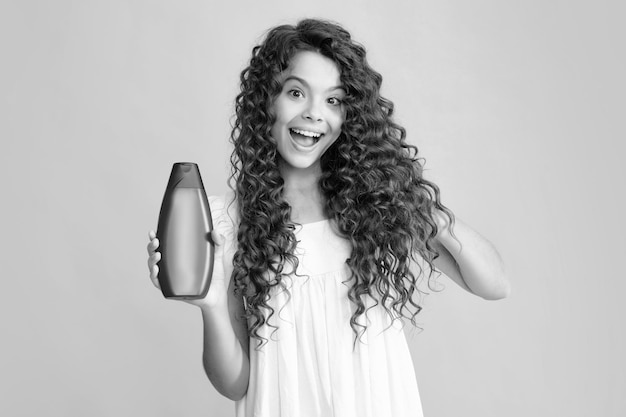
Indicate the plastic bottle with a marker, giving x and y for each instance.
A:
(183, 231)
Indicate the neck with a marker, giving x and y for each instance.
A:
(305, 179)
(301, 191)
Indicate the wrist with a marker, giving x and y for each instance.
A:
(210, 304)
(214, 309)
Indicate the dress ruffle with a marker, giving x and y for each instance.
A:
(310, 364)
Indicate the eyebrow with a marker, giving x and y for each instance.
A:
(302, 81)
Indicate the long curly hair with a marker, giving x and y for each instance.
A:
(371, 181)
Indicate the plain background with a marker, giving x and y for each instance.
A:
(518, 108)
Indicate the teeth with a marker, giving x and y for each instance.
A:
(307, 133)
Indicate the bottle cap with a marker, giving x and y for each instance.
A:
(185, 175)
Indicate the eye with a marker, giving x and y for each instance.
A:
(334, 101)
(295, 93)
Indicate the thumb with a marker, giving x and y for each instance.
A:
(216, 238)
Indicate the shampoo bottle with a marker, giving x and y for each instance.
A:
(183, 231)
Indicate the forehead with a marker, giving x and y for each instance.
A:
(314, 68)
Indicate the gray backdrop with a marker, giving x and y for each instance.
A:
(515, 105)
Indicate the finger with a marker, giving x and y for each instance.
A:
(154, 274)
(153, 245)
(154, 259)
(216, 238)
(151, 235)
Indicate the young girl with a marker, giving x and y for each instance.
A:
(322, 246)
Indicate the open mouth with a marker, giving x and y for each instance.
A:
(305, 138)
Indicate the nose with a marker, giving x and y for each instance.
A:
(313, 112)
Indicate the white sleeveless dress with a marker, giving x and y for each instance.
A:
(310, 365)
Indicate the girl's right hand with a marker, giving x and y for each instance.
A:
(153, 258)
(217, 293)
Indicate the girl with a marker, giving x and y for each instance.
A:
(321, 248)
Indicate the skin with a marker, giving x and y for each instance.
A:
(225, 353)
(311, 101)
(470, 260)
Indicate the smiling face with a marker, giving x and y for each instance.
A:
(309, 111)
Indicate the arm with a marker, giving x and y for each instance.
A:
(225, 353)
(470, 260)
